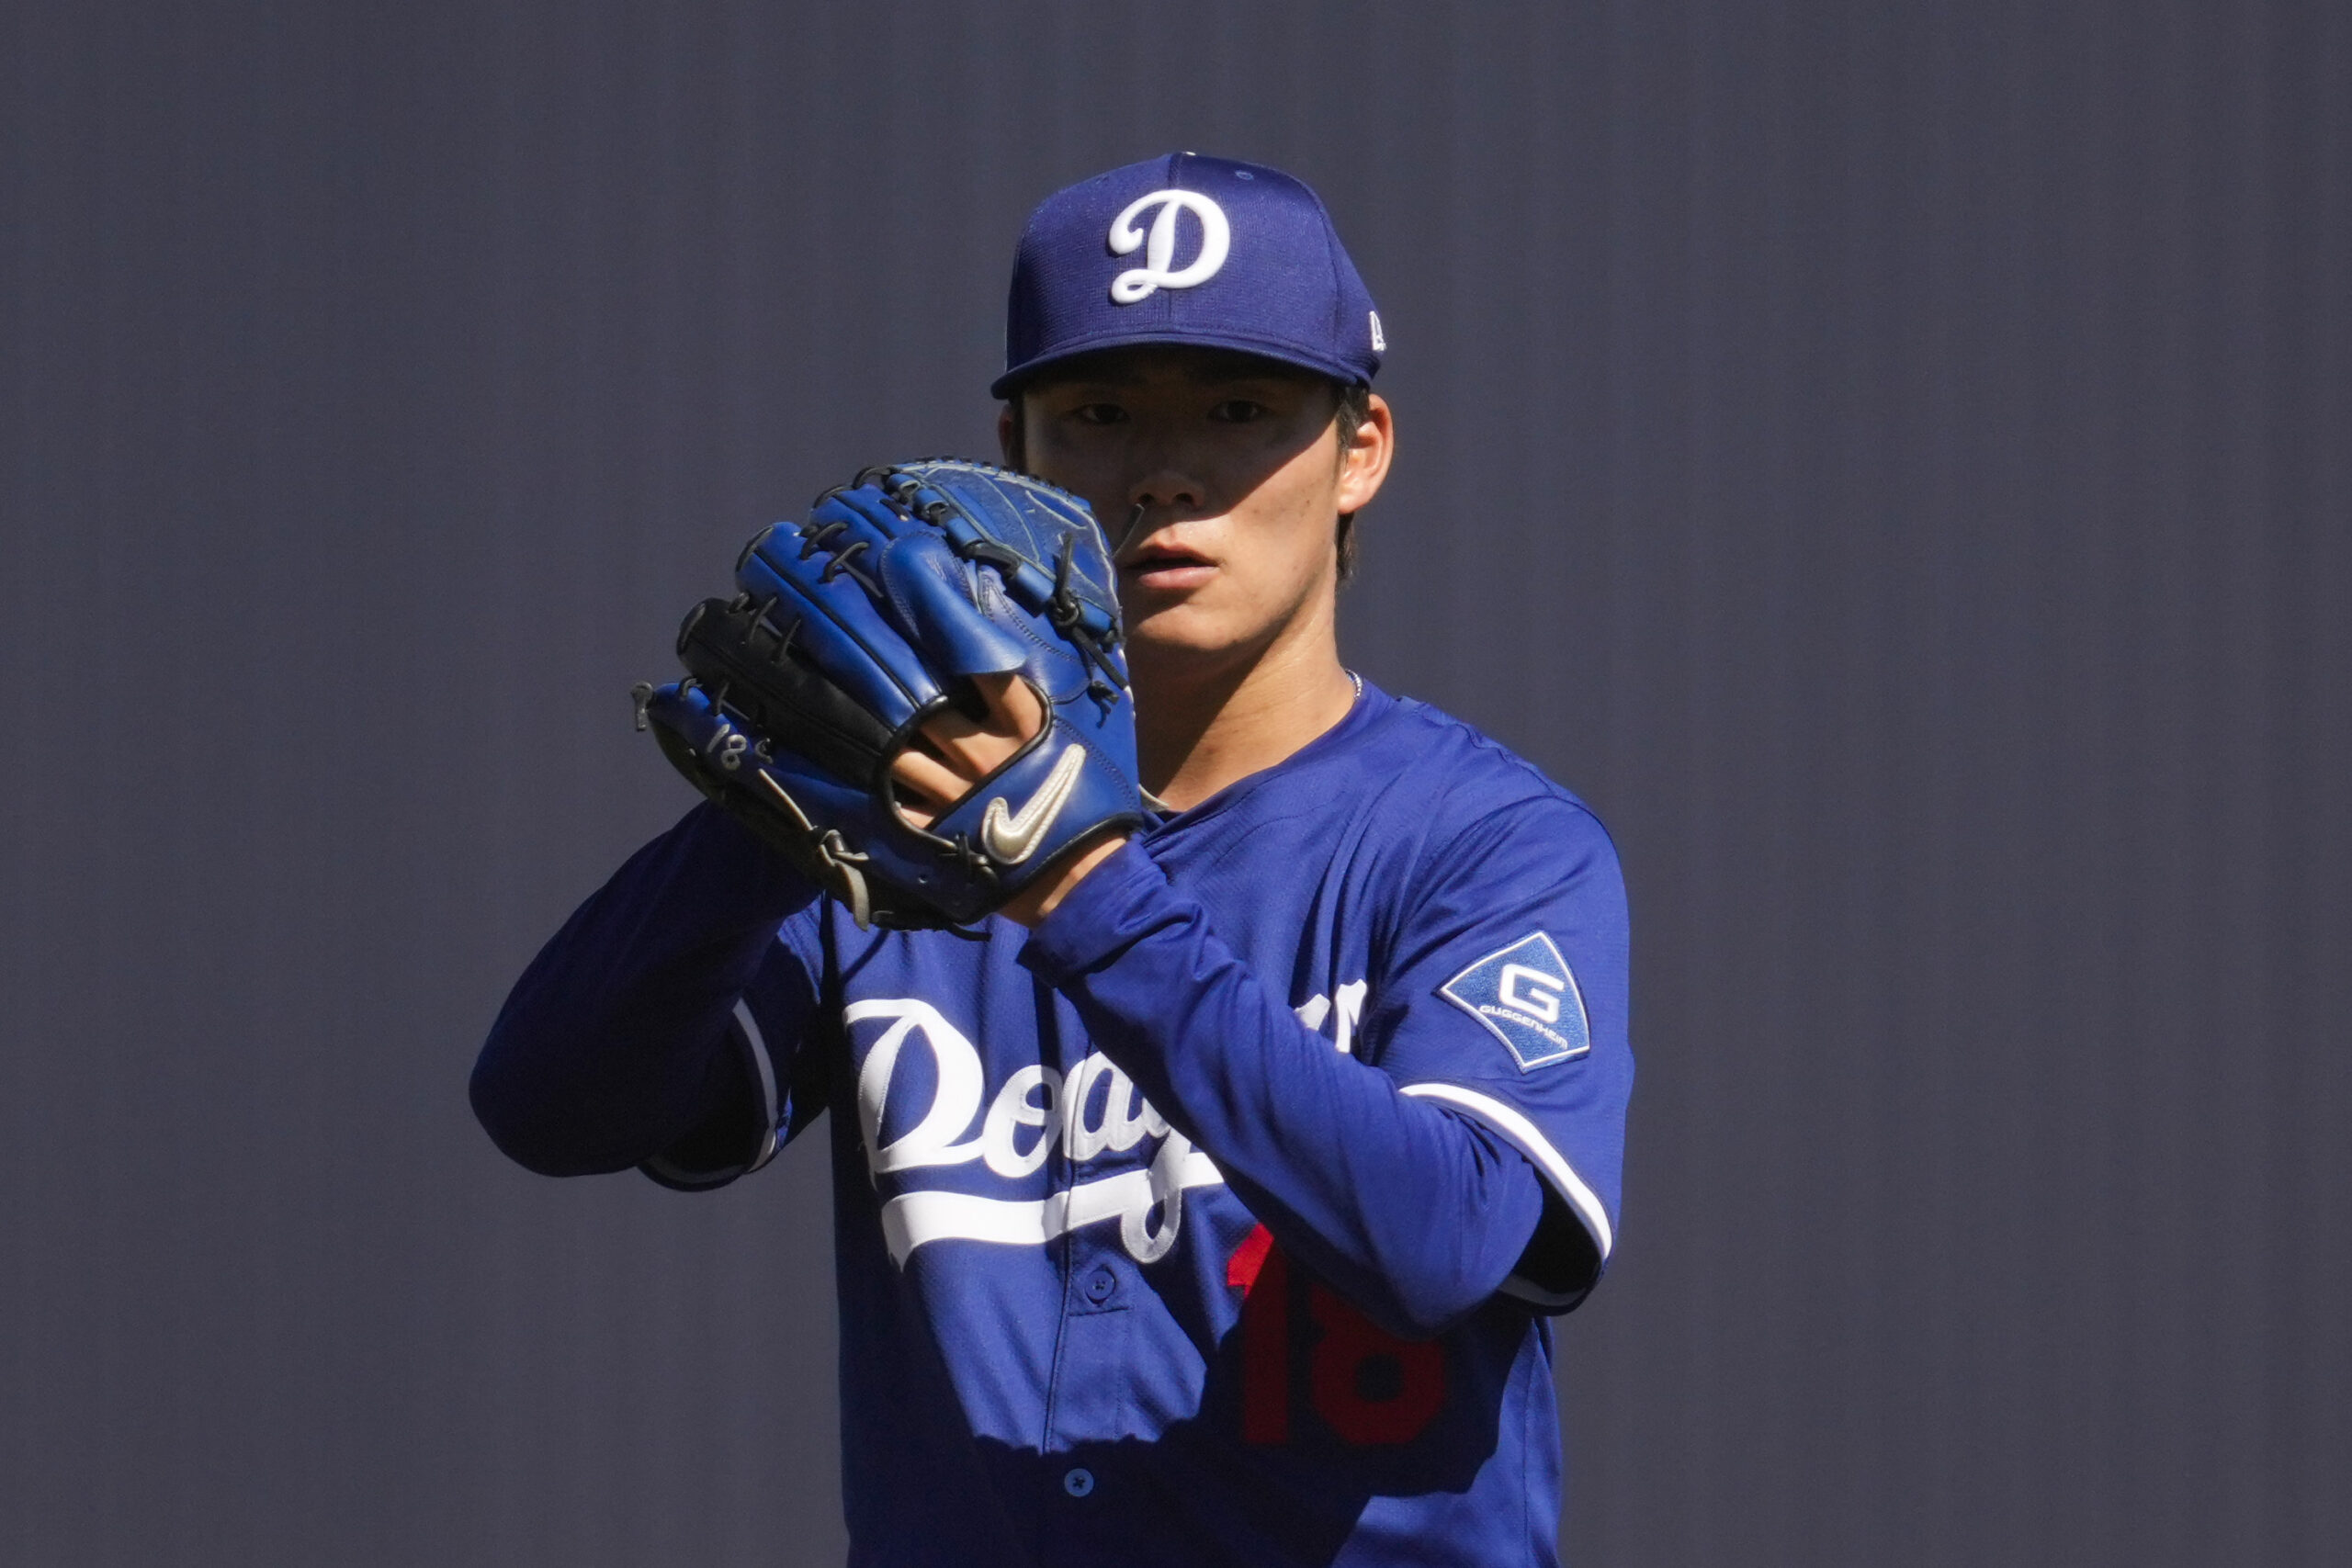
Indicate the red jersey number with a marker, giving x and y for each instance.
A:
(1369, 1386)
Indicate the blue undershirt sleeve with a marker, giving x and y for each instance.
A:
(664, 1019)
(1415, 1212)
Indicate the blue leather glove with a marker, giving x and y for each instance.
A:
(851, 630)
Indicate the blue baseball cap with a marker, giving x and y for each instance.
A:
(1189, 250)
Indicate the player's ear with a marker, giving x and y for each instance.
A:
(1007, 437)
(1365, 456)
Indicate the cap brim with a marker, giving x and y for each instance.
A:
(1010, 382)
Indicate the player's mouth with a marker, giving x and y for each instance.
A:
(1163, 564)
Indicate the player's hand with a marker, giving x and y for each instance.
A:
(956, 753)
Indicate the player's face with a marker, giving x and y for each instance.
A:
(1226, 476)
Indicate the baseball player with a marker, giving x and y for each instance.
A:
(1206, 1196)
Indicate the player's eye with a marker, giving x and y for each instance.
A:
(1239, 411)
(1099, 413)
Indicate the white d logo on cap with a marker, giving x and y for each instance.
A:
(1140, 283)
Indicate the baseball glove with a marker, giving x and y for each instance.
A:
(853, 632)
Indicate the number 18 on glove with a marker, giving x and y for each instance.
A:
(850, 633)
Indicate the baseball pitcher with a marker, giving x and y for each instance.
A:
(1226, 1060)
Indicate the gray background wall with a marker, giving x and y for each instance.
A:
(1891, 457)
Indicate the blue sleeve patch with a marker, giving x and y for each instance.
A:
(1527, 997)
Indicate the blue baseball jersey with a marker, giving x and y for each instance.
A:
(1192, 1226)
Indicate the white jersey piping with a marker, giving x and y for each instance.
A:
(1532, 1142)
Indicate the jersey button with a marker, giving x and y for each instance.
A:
(1099, 1284)
(1079, 1482)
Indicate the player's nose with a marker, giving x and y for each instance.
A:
(1165, 486)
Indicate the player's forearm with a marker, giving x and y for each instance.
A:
(1414, 1213)
(612, 1044)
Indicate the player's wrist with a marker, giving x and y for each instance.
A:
(1043, 896)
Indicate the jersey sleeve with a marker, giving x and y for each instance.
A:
(771, 1081)
(1504, 999)
(661, 1027)
(1413, 1212)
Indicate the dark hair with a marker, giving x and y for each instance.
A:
(1355, 407)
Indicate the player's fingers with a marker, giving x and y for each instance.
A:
(968, 747)
(1012, 704)
(960, 743)
(977, 749)
(926, 787)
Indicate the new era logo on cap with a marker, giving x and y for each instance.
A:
(1233, 256)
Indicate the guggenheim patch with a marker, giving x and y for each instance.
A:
(1527, 997)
